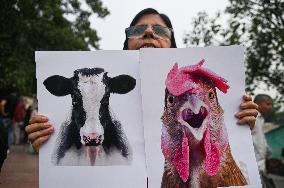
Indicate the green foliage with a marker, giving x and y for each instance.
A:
(30, 25)
(258, 25)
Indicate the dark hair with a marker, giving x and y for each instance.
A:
(147, 11)
(275, 166)
(261, 97)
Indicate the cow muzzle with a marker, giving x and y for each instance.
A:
(92, 134)
(93, 139)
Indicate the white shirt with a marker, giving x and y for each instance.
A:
(261, 147)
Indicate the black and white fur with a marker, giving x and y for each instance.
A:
(92, 135)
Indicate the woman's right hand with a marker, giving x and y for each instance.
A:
(39, 131)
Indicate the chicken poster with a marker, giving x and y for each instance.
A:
(189, 98)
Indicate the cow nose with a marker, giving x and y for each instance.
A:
(92, 139)
(92, 135)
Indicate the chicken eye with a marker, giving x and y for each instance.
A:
(211, 95)
(171, 101)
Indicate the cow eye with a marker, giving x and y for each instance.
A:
(170, 101)
(211, 95)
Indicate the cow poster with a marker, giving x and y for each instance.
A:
(189, 99)
(93, 100)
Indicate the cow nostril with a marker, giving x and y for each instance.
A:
(85, 138)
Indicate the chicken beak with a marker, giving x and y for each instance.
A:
(193, 115)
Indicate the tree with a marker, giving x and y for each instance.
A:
(259, 25)
(30, 25)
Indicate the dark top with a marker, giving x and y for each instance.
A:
(3, 143)
(10, 106)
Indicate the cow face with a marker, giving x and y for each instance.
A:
(89, 88)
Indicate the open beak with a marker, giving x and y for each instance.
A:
(193, 115)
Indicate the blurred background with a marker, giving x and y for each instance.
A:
(48, 25)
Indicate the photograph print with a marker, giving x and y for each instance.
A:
(189, 99)
(93, 101)
(194, 139)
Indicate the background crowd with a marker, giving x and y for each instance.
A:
(15, 113)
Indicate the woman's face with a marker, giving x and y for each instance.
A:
(149, 39)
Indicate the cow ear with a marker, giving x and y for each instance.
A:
(58, 85)
(122, 84)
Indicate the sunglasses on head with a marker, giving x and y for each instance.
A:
(138, 31)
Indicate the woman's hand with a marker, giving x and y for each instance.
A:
(39, 130)
(248, 112)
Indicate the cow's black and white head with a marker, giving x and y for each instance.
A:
(90, 89)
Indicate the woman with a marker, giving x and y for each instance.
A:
(148, 29)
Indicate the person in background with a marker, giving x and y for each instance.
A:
(31, 110)
(3, 144)
(8, 114)
(3, 133)
(18, 119)
(27, 118)
(261, 147)
(150, 29)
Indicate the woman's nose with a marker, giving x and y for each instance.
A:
(149, 33)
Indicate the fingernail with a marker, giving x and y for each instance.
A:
(47, 124)
(46, 137)
(44, 118)
(51, 129)
(238, 122)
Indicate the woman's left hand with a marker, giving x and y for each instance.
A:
(248, 112)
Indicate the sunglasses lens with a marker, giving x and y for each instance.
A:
(163, 32)
(138, 31)
(135, 31)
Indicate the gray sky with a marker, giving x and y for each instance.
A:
(181, 12)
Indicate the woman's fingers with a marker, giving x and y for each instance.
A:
(247, 117)
(247, 112)
(38, 142)
(40, 133)
(248, 105)
(39, 130)
(37, 127)
(38, 119)
(250, 120)
(247, 98)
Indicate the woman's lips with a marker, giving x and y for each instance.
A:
(148, 46)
